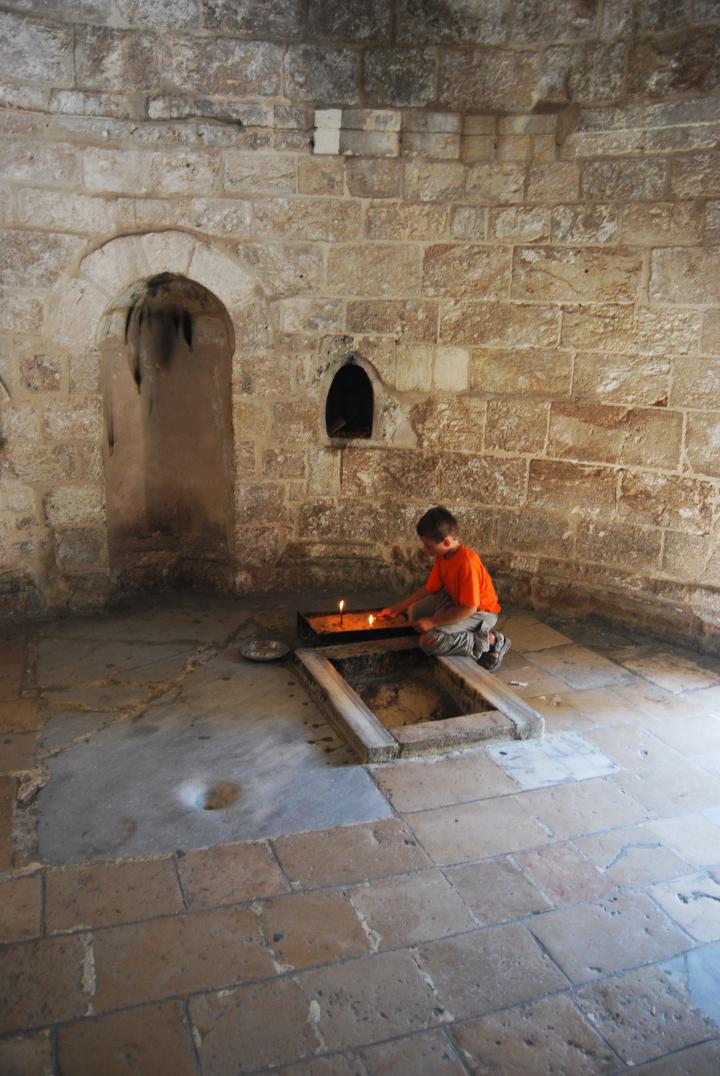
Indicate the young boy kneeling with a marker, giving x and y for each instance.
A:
(457, 608)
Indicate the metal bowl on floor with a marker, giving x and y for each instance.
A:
(264, 649)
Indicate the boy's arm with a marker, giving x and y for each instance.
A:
(401, 606)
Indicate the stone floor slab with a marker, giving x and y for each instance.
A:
(529, 634)
(497, 890)
(349, 854)
(671, 670)
(154, 1039)
(105, 894)
(644, 1013)
(307, 929)
(340, 1064)
(26, 1055)
(670, 789)
(574, 810)
(177, 955)
(561, 714)
(632, 746)
(632, 856)
(694, 736)
(552, 760)
(411, 908)
(427, 1052)
(42, 982)
(20, 908)
(563, 874)
(694, 903)
(589, 941)
(371, 999)
(20, 715)
(437, 782)
(252, 1027)
(489, 969)
(17, 751)
(543, 1038)
(229, 874)
(701, 1060)
(694, 837)
(579, 667)
(526, 677)
(476, 830)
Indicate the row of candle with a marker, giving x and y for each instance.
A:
(341, 606)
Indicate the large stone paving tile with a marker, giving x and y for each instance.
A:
(436, 782)
(153, 1040)
(607, 707)
(62, 662)
(527, 678)
(17, 751)
(20, 715)
(371, 999)
(670, 789)
(593, 940)
(694, 736)
(671, 670)
(632, 856)
(694, 903)
(585, 807)
(42, 982)
(20, 908)
(579, 667)
(26, 1055)
(489, 969)
(658, 704)
(529, 634)
(411, 908)
(563, 874)
(339, 1064)
(551, 760)
(427, 1052)
(252, 1027)
(695, 837)
(561, 714)
(497, 890)
(543, 1038)
(476, 830)
(632, 746)
(645, 1013)
(349, 854)
(307, 929)
(229, 874)
(106, 894)
(178, 955)
(701, 1060)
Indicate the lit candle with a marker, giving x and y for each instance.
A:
(341, 606)
(371, 619)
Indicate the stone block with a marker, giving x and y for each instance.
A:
(36, 51)
(41, 982)
(500, 324)
(637, 548)
(258, 504)
(470, 480)
(403, 77)
(683, 63)
(551, 183)
(648, 437)
(220, 66)
(640, 180)
(571, 487)
(321, 177)
(620, 143)
(414, 364)
(424, 144)
(370, 474)
(152, 1038)
(76, 313)
(284, 269)
(326, 141)
(262, 375)
(254, 18)
(373, 179)
(532, 531)
(641, 380)
(516, 426)
(322, 75)
(36, 259)
(354, 22)
(230, 281)
(68, 506)
(296, 422)
(712, 222)
(115, 265)
(312, 219)
(523, 371)
(79, 421)
(341, 521)
(488, 80)
(374, 269)
(567, 274)
(659, 500)
(696, 382)
(80, 548)
(434, 182)
(259, 173)
(369, 144)
(401, 221)
(280, 463)
(695, 176)
(662, 223)
(531, 23)
(311, 315)
(520, 224)
(482, 23)
(167, 251)
(589, 74)
(469, 222)
(66, 212)
(76, 103)
(711, 331)
(185, 173)
(618, 329)
(323, 478)
(34, 162)
(451, 370)
(585, 224)
(41, 373)
(410, 318)
(116, 60)
(690, 557)
(492, 184)
(687, 276)
(21, 313)
(477, 148)
(466, 271)
(702, 442)
(450, 425)
(34, 462)
(114, 171)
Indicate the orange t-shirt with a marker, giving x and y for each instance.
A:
(466, 579)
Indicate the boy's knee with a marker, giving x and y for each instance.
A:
(429, 641)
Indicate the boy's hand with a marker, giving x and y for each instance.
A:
(424, 623)
(387, 614)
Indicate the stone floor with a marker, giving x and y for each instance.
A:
(539, 907)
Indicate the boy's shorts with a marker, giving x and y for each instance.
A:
(467, 637)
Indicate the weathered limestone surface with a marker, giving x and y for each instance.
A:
(508, 214)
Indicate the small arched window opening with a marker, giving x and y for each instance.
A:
(349, 406)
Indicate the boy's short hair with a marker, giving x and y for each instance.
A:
(436, 524)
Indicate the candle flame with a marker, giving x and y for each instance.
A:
(371, 618)
(341, 604)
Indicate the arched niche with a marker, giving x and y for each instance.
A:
(166, 359)
(350, 403)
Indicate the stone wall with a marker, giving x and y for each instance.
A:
(508, 212)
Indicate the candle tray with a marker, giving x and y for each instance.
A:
(321, 628)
